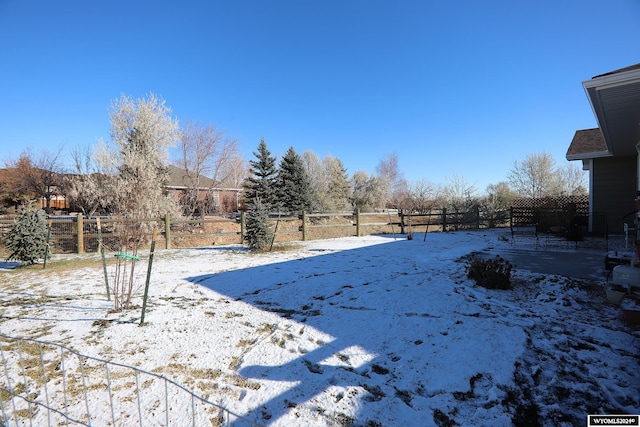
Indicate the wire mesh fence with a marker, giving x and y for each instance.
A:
(48, 384)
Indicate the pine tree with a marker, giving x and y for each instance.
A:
(259, 234)
(293, 185)
(261, 181)
(27, 240)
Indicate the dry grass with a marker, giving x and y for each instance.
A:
(62, 265)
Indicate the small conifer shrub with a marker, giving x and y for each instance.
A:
(259, 234)
(27, 240)
(490, 273)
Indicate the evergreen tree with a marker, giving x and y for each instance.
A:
(27, 240)
(261, 181)
(293, 185)
(259, 234)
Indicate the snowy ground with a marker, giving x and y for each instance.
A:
(368, 331)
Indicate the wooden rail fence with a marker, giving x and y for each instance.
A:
(79, 234)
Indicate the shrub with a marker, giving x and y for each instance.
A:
(259, 234)
(27, 240)
(490, 273)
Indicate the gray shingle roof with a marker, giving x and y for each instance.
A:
(621, 70)
(178, 179)
(587, 143)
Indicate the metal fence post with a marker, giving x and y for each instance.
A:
(358, 222)
(167, 231)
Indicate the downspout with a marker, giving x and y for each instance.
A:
(587, 165)
(638, 168)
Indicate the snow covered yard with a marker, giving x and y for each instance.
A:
(369, 331)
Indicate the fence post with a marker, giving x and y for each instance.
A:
(444, 219)
(478, 217)
(511, 218)
(167, 231)
(358, 222)
(80, 222)
(304, 226)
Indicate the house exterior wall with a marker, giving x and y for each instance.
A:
(224, 200)
(614, 186)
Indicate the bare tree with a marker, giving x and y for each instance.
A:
(460, 198)
(233, 171)
(458, 192)
(393, 184)
(205, 152)
(573, 180)
(36, 176)
(536, 176)
(15, 185)
(84, 185)
(423, 196)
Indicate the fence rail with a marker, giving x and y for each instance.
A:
(76, 234)
(48, 384)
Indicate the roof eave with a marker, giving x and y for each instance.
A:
(592, 88)
(587, 156)
(611, 80)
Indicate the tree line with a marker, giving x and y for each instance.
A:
(126, 175)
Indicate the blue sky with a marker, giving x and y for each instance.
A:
(452, 87)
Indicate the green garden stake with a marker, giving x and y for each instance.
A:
(391, 223)
(104, 260)
(146, 286)
(275, 232)
(46, 249)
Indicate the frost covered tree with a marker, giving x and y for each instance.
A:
(293, 188)
(337, 190)
(392, 182)
(496, 203)
(262, 176)
(142, 131)
(368, 192)
(27, 239)
(315, 172)
(330, 187)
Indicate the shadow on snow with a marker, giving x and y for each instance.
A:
(384, 300)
